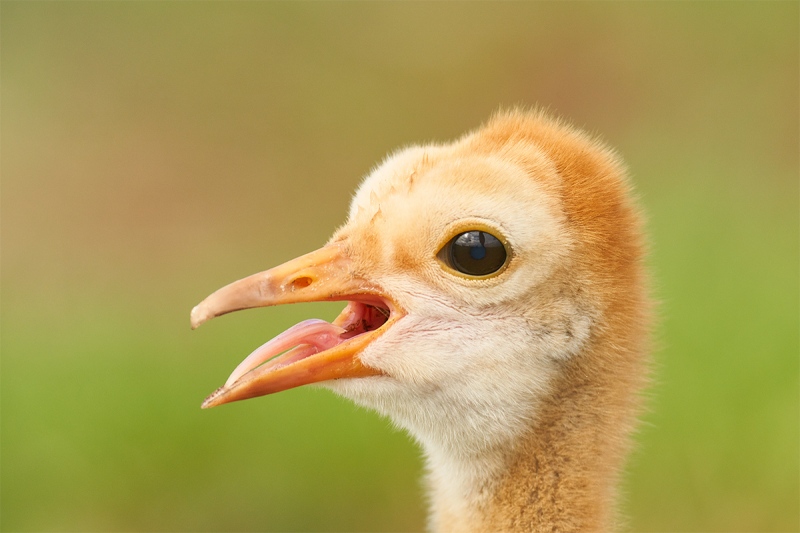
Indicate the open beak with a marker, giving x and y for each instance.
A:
(317, 350)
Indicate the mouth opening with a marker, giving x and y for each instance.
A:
(360, 318)
(313, 336)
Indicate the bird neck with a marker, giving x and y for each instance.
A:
(560, 475)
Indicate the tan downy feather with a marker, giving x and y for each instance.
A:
(521, 387)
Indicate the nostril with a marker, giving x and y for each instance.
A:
(301, 282)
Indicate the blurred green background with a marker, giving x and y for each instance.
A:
(154, 151)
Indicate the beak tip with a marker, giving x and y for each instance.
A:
(198, 315)
(213, 399)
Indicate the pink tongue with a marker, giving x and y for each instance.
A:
(316, 334)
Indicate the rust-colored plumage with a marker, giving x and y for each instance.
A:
(522, 384)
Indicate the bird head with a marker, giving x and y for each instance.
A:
(469, 278)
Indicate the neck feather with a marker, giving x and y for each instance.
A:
(561, 474)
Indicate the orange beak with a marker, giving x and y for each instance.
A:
(317, 351)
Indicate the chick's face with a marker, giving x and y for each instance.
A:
(457, 266)
(467, 344)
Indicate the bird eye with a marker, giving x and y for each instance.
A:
(474, 253)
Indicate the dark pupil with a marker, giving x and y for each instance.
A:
(477, 253)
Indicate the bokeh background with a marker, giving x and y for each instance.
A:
(154, 151)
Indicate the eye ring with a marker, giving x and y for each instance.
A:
(475, 254)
